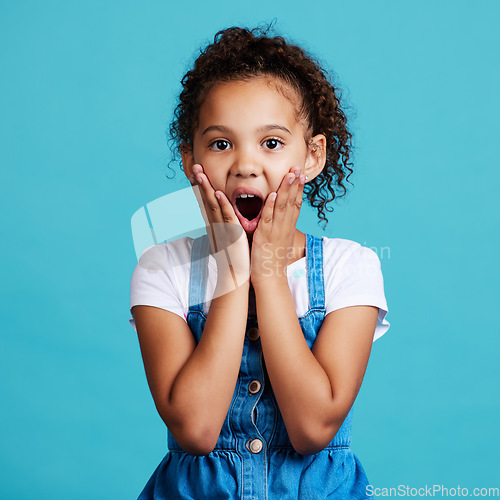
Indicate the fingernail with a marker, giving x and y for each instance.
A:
(272, 196)
(291, 180)
(198, 178)
(302, 179)
(217, 195)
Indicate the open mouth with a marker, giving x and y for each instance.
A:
(248, 202)
(249, 205)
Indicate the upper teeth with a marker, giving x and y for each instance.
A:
(245, 195)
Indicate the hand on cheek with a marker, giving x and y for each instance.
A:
(272, 243)
(228, 241)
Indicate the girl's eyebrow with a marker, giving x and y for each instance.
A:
(268, 128)
(265, 128)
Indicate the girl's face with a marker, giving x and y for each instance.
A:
(248, 139)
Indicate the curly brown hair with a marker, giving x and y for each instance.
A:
(238, 54)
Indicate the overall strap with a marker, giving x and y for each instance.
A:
(315, 283)
(198, 273)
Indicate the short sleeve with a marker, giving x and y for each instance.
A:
(156, 282)
(354, 279)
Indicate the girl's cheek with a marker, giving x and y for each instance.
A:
(215, 181)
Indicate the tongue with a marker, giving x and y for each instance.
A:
(249, 207)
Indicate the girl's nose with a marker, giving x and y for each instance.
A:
(246, 165)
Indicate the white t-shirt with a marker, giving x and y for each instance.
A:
(352, 276)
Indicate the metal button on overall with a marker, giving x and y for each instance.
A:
(254, 387)
(253, 333)
(254, 445)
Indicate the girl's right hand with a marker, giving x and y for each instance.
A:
(228, 240)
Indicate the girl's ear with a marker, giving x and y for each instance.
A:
(316, 157)
(187, 160)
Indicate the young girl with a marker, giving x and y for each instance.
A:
(255, 337)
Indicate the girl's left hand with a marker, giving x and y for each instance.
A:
(272, 242)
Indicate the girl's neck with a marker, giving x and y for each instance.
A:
(299, 246)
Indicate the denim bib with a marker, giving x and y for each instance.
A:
(253, 458)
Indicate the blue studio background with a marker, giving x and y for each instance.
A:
(86, 94)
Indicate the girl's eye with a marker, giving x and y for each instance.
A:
(273, 143)
(220, 145)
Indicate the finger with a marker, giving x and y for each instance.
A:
(281, 203)
(295, 183)
(232, 229)
(216, 231)
(211, 203)
(196, 169)
(266, 218)
(227, 209)
(210, 208)
(293, 195)
(299, 197)
(206, 213)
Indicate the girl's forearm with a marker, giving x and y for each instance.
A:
(301, 386)
(202, 391)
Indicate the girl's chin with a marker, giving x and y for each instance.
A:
(248, 226)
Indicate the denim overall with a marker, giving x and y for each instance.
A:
(253, 457)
